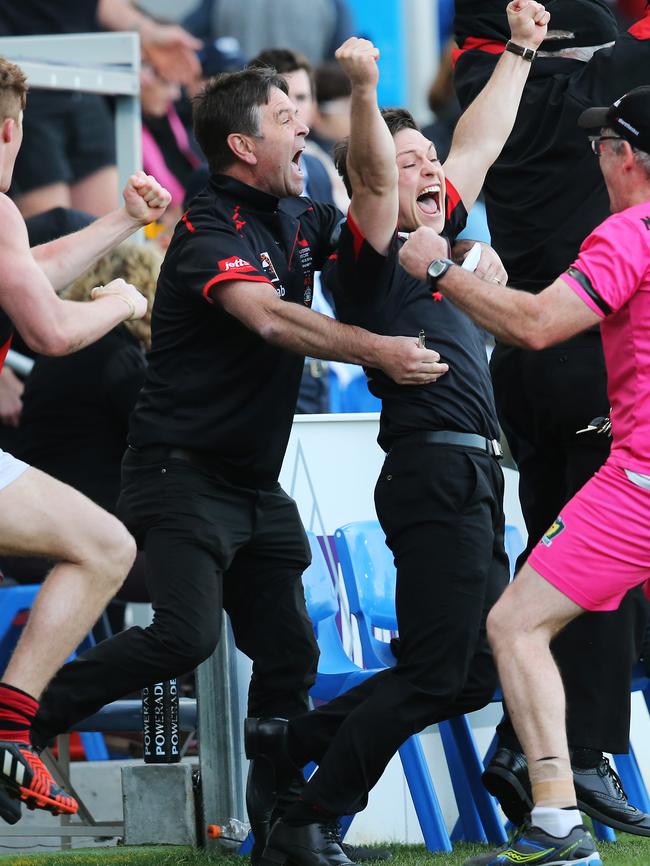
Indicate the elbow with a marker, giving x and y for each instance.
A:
(53, 343)
(533, 335)
(270, 330)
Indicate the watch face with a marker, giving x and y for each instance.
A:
(438, 267)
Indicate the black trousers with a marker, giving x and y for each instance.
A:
(441, 510)
(209, 546)
(543, 398)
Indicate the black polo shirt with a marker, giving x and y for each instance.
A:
(213, 385)
(375, 291)
(545, 193)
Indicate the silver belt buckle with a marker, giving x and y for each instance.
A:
(497, 450)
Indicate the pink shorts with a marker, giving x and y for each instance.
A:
(599, 546)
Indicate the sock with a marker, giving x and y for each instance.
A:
(586, 759)
(551, 781)
(17, 711)
(302, 813)
(555, 822)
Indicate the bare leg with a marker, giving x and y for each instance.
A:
(98, 193)
(520, 628)
(43, 199)
(40, 515)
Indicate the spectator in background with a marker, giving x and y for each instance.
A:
(76, 408)
(315, 28)
(167, 149)
(331, 121)
(68, 154)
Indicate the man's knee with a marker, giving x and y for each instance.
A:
(111, 552)
(187, 647)
(501, 626)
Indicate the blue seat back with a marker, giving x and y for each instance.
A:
(514, 544)
(368, 571)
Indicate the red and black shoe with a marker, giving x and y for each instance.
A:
(25, 776)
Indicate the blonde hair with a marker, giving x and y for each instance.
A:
(136, 263)
(13, 89)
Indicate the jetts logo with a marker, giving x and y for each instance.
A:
(554, 529)
(271, 274)
(235, 265)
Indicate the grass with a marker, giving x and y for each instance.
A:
(628, 851)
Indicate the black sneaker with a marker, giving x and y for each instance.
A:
(534, 847)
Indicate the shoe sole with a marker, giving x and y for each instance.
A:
(41, 801)
(612, 822)
(512, 796)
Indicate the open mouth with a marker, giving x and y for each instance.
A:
(296, 159)
(429, 200)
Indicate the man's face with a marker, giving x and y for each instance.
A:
(610, 166)
(300, 93)
(280, 148)
(422, 186)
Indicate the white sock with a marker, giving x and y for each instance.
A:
(555, 822)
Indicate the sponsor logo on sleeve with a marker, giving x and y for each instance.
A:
(553, 531)
(235, 265)
(646, 223)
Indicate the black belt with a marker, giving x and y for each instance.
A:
(156, 453)
(451, 437)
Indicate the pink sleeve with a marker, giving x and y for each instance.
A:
(611, 265)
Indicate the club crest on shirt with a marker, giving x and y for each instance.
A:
(270, 273)
(554, 529)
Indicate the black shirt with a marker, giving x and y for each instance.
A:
(34, 17)
(76, 412)
(376, 292)
(545, 193)
(212, 384)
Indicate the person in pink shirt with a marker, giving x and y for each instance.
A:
(599, 546)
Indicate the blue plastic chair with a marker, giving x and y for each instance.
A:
(369, 575)
(337, 673)
(17, 600)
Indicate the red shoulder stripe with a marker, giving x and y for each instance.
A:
(489, 46)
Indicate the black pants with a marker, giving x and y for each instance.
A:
(441, 510)
(209, 546)
(542, 399)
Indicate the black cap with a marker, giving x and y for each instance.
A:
(629, 117)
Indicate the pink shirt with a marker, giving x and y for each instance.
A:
(612, 276)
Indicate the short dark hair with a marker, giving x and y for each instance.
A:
(396, 119)
(229, 103)
(284, 61)
(13, 90)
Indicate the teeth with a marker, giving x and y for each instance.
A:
(430, 190)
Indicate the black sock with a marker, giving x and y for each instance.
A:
(586, 759)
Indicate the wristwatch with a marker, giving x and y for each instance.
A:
(437, 269)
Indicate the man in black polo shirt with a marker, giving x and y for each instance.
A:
(439, 494)
(544, 195)
(230, 326)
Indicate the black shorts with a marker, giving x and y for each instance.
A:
(67, 136)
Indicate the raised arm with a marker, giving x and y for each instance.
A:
(300, 330)
(484, 127)
(371, 165)
(48, 324)
(64, 259)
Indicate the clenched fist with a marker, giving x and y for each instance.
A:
(528, 23)
(359, 57)
(145, 200)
